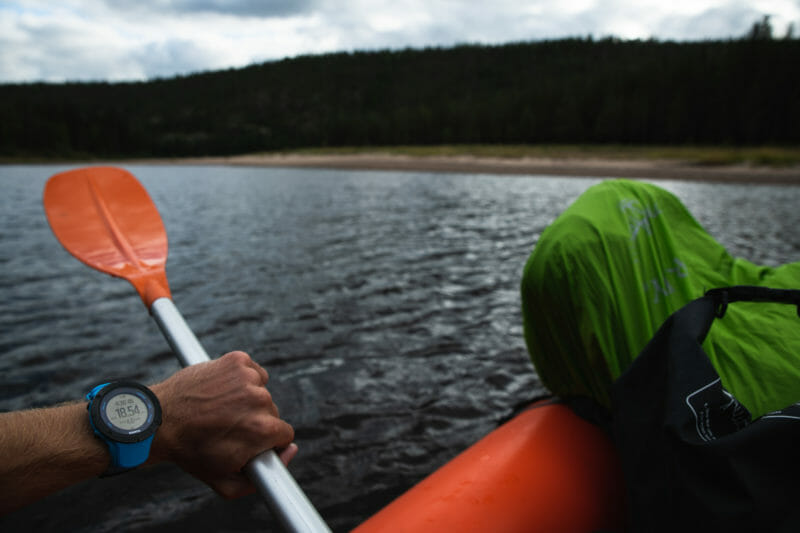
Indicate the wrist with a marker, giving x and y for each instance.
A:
(161, 449)
(88, 449)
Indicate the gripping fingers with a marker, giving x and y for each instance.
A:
(242, 359)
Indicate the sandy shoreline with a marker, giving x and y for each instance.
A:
(594, 167)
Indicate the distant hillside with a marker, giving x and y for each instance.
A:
(577, 91)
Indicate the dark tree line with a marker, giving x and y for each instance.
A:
(574, 91)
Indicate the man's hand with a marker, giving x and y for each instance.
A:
(216, 417)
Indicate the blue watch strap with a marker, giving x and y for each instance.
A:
(92, 393)
(127, 456)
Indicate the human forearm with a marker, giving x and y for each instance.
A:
(216, 417)
(45, 450)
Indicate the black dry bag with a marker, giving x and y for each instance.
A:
(692, 457)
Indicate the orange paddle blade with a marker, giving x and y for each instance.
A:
(104, 217)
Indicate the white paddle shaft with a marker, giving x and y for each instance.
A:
(276, 485)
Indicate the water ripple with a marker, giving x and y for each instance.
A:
(384, 305)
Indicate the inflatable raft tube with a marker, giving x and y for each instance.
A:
(545, 470)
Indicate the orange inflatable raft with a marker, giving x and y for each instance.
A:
(545, 470)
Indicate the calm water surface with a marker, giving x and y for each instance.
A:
(384, 304)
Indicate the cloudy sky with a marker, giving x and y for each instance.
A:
(58, 40)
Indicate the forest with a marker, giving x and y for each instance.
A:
(735, 92)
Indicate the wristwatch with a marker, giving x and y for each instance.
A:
(124, 415)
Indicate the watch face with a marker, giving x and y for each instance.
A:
(126, 412)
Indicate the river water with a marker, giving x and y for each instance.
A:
(384, 305)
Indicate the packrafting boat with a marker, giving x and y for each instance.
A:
(545, 470)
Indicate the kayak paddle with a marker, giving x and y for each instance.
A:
(104, 217)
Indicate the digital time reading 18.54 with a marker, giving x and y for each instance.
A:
(126, 411)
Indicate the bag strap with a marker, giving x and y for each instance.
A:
(748, 293)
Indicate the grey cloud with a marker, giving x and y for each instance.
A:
(50, 52)
(444, 26)
(250, 8)
(257, 8)
(164, 59)
(731, 21)
(53, 53)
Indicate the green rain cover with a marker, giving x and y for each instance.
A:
(622, 258)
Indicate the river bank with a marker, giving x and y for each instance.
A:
(634, 168)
